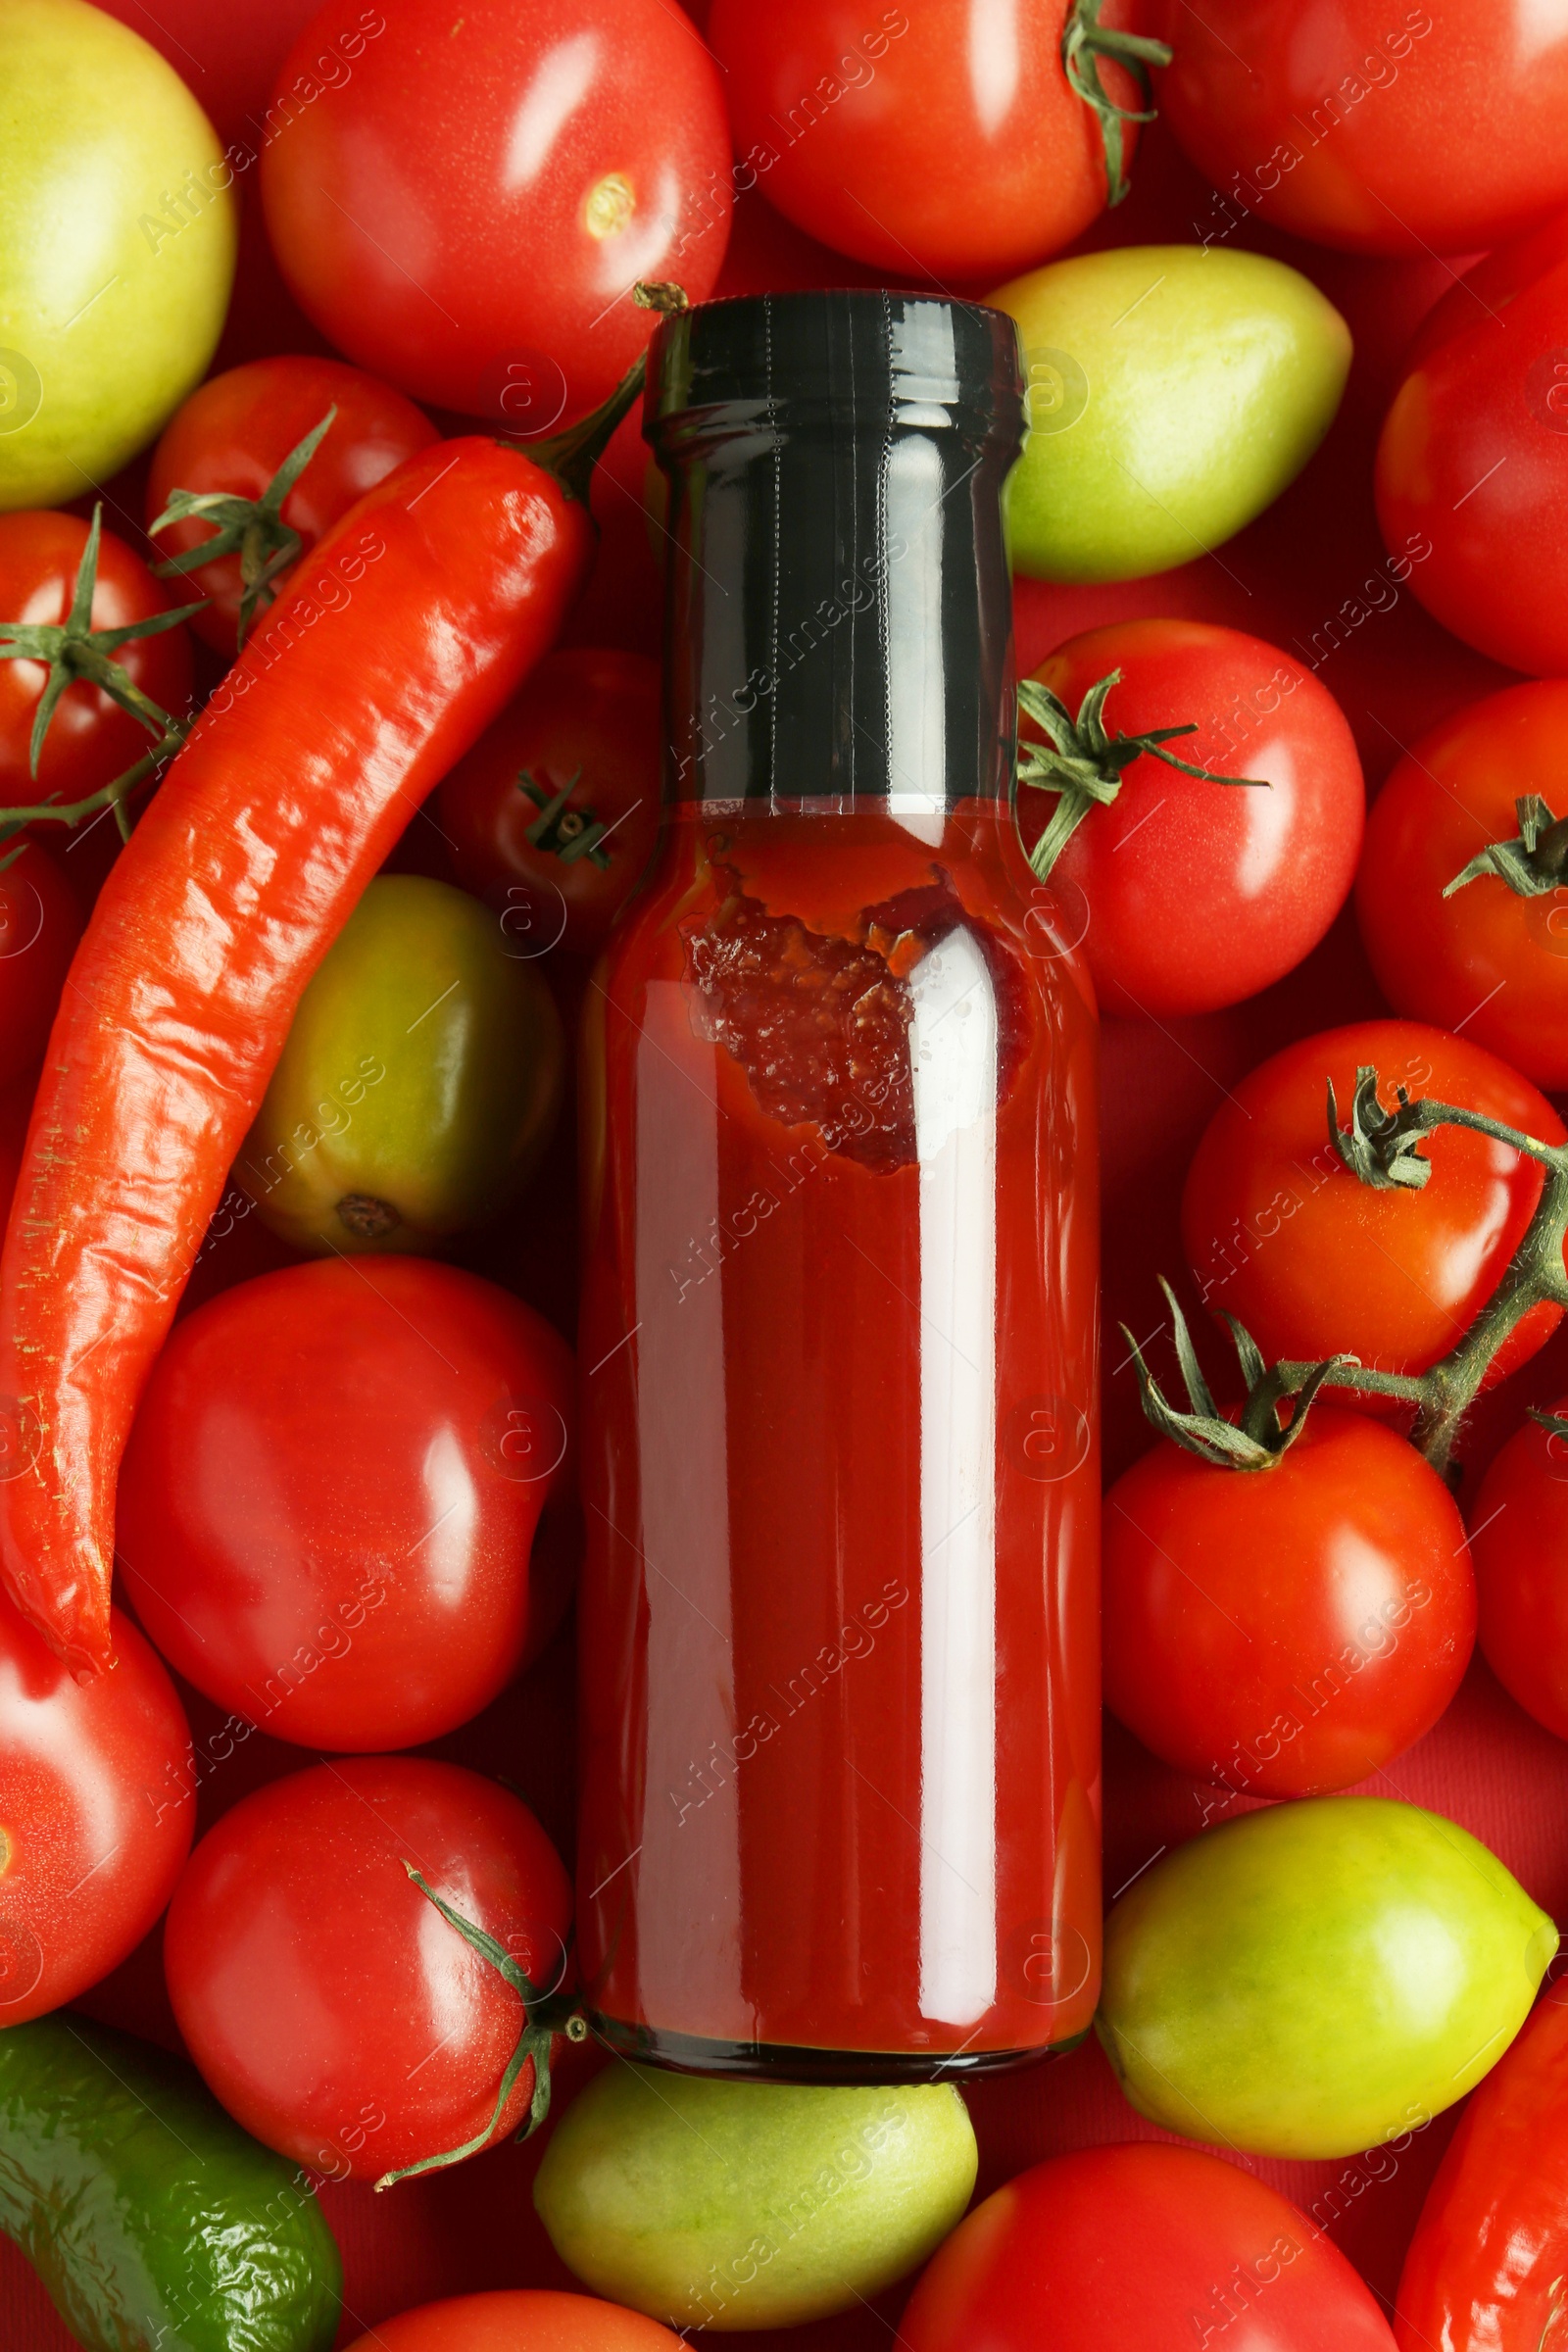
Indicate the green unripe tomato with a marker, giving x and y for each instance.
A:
(1317, 1978)
(116, 247)
(419, 1083)
(719, 2204)
(1173, 393)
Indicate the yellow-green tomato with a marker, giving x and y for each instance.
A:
(1173, 393)
(116, 247)
(419, 1083)
(718, 2204)
(1313, 1979)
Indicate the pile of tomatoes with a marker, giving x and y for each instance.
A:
(1250, 578)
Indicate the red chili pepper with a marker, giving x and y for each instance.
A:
(400, 637)
(1488, 2266)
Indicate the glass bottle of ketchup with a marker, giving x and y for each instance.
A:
(839, 1774)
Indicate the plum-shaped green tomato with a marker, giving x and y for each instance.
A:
(419, 1083)
(1173, 393)
(118, 229)
(1317, 1978)
(720, 2204)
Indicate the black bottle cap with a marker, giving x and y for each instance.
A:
(839, 618)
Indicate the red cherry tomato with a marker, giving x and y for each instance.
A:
(1195, 894)
(467, 210)
(90, 740)
(1485, 959)
(1473, 460)
(1286, 1631)
(40, 924)
(330, 1493)
(1312, 1261)
(943, 141)
(95, 1810)
(518, 2320)
(1380, 129)
(234, 432)
(1519, 1538)
(586, 724)
(1133, 2249)
(328, 2004)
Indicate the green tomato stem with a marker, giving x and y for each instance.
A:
(1533, 863)
(253, 529)
(1257, 1439)
(115, 796)
(1083, 762)
(1084, 43)
(544, 2016)
(1379, 1148)
(76, 652)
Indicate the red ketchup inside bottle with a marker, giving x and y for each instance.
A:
(838, 1628)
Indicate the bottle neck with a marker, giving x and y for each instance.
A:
(839, 617)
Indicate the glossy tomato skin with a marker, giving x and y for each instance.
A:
(1489, 285)
(589, 717)
(518, 2320)
(1473, 460)
(921, 139)
(1136, 2247)
(1197, 895)
(234, 432)
(328, 2005)
(40, 924)
(96, 1813)
(1315, 1263)
(330, 1494)
(1375, 128)
(1286, 1632)
(467, 213)
(1520, 1543)
(90, 740)
(1495, 963)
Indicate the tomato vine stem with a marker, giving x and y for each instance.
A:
(1257, 1438)
(75, 652)
(1381, 1149)
(1085, 43)
(544, 2016)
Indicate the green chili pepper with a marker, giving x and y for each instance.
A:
(156, 2223)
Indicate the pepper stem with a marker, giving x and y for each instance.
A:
(572, 456)
(1083, 764)
(544, 2016)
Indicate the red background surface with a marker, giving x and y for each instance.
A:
(1396, 674)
